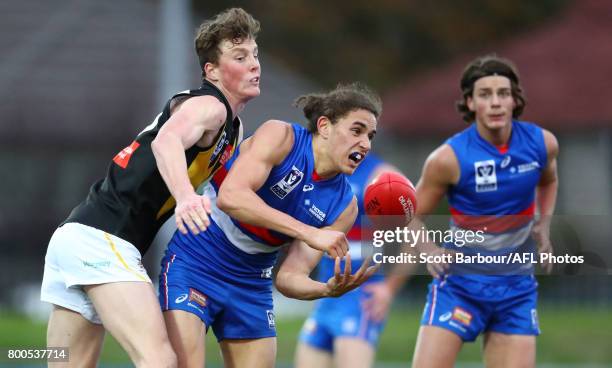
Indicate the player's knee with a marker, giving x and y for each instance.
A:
(161, 357)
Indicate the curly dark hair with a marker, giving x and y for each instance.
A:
(485, 66)
(337, 103)
(233, 24)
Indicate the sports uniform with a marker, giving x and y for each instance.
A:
(104, 237)
(344, 316)
(495, 194)
(224, 275)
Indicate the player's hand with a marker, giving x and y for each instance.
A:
(344, 282)
(377, 304)
(438, 269)
(541, 234)
(331, 241)
(192, 213)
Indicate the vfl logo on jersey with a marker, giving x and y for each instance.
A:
(123, 158)
(288, 183)
(486, 180)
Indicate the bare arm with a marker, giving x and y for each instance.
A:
(267, 148)
(186, 126)
(293, 278)
(440, 171)
(546, 197)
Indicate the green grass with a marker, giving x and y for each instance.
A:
(569, 335)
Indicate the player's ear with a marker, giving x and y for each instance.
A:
(469, 101)
(323, 126)
(211, 72)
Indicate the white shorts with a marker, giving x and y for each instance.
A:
(82, 255)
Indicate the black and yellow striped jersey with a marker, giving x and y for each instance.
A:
(133, 201)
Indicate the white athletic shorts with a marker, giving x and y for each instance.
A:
(82, 255)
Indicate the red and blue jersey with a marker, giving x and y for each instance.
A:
(293, 187)
(496, 189)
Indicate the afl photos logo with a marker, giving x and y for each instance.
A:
(486, 180)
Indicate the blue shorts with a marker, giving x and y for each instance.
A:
(470, 305)
(235, 306)
(340, 317)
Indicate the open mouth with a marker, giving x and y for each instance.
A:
(254, 80)
(356, 157)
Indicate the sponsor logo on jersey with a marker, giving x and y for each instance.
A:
(181, 298)
(266, 273)
(289, 182)
(528, 167)
(197, 297)
(316, 212)
(307, 187)
(271, 321)
(349, 325)
(534, 320)
(505, 162)
(96, 264)
(445, 317)
(123, 158)
(461, 315)
(310, 326)
(486, 180)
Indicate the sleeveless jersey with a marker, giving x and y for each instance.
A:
(496, 194)
(358, 181)
(133, 201)
(292, 187)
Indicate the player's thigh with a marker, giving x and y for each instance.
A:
(352, 352)
(436, 347)
(249, 353)
(83, 338)
(187, 335)
(130, 312)
(307, 356)
(504, 350)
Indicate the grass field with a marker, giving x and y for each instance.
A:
(570, 335)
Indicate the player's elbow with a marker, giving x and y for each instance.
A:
(228, 199)
(282, 285)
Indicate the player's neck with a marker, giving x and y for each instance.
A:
(236, 104)
(497, 137)
(324, 167)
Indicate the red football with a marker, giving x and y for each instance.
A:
(390, 194)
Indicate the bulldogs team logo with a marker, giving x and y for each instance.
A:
(287, 183)
(486, 179)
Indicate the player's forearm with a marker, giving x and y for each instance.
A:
(170, 158)
(246, 206)
(299, 286)
(546, 196)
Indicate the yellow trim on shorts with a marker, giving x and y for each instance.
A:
(112, 245)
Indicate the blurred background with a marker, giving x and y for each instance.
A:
(80, 78)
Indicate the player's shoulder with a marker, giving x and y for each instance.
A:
(275, 130)
(443, 165)
(550, 141)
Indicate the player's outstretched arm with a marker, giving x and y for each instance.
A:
(187, 125)
(441, 170)
(267, 148)
(546, 197)
(293, 277)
